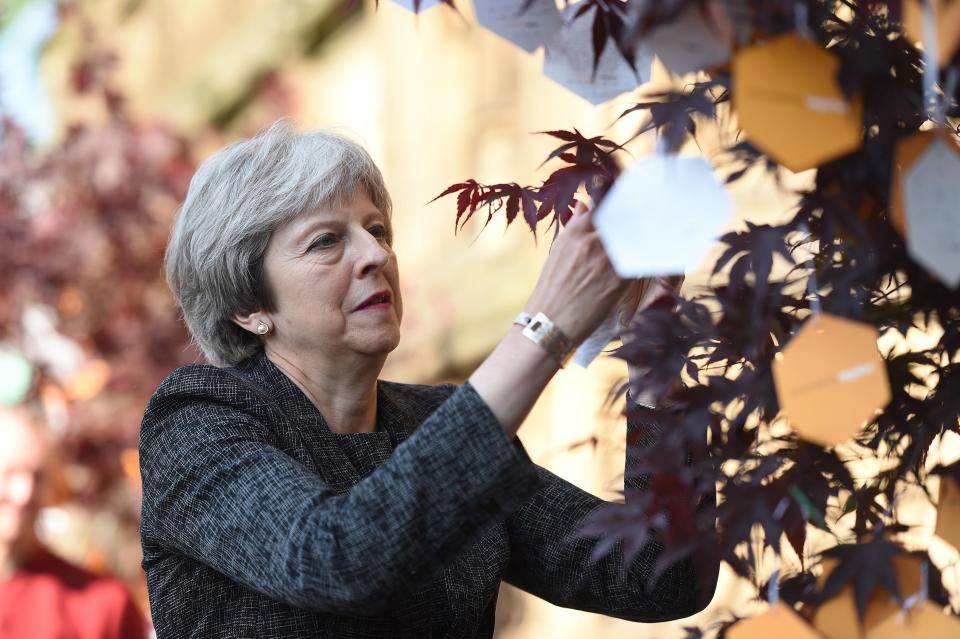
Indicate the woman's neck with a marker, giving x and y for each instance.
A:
(344, 390)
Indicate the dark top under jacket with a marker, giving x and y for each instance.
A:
(259, 522)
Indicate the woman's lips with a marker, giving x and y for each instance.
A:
(378, 301)
(374, 307)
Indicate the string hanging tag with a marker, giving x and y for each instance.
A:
(801, 19)
(813, 288)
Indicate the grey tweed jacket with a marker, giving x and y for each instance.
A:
(259, 522)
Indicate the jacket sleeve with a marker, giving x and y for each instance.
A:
(549, 559)
(215, 490)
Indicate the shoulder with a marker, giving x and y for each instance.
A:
(201, 401)
(201, 381)
(199, 387)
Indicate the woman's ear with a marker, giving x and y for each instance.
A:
(253, 322)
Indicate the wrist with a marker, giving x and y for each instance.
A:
(527, 352)
(512, 377)
(539, 329)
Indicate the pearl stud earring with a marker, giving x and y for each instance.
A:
(263, 328)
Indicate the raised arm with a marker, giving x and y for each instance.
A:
(550, 559)
(216, 490)
(577, 290)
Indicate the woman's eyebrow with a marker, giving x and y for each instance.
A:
(374, 214)
(305, 233)
(308, 228)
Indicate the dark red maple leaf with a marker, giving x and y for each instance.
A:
(868, 565)
(589, 165)
(707, 356)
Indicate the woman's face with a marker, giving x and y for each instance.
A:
(335, 282)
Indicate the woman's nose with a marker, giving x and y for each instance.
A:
(374, 255)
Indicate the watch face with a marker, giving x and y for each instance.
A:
(538, 327)
(535, 330)
(542, 331)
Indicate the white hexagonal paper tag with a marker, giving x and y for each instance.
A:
(931, 203)
(424, 5)
(568, 61)
(662, 215)
(528, 28)
(691, 42)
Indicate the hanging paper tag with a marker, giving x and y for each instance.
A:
(568, 60)
(837, 617)
(948, 511)
(591, 347)
(790, 79)
(830, 379)
(526, 24)
(692, 42)
(931, 190)
(780, 620)
(423, 6)
(922, 620)
(662, 215)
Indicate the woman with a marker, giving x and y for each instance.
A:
(288, 492)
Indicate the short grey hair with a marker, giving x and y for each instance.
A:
(237, 198)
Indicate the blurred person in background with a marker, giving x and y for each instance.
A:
(41, 595)
(288, 492)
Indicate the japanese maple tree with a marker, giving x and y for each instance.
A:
(707, 356)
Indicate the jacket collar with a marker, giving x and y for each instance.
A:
(394, 415)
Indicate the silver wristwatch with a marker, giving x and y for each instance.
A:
(541, 330)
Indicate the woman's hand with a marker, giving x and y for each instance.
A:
(643, 292)
(577, 290)
(578, 287)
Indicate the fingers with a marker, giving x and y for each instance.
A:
(631, 297)
(582, 218)
(642, 292)
(658, 287)
(673, 282)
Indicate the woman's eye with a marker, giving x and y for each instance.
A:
(324, 241)
(379, 231)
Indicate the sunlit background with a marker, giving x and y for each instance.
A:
(129, 95)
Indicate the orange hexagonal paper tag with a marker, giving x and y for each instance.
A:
(837, 617)
(789, 104)
(830, 379)
(947, 14)
(948, 512)
(780, 621)
(924, 621)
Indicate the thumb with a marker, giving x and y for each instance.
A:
(582, 216)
